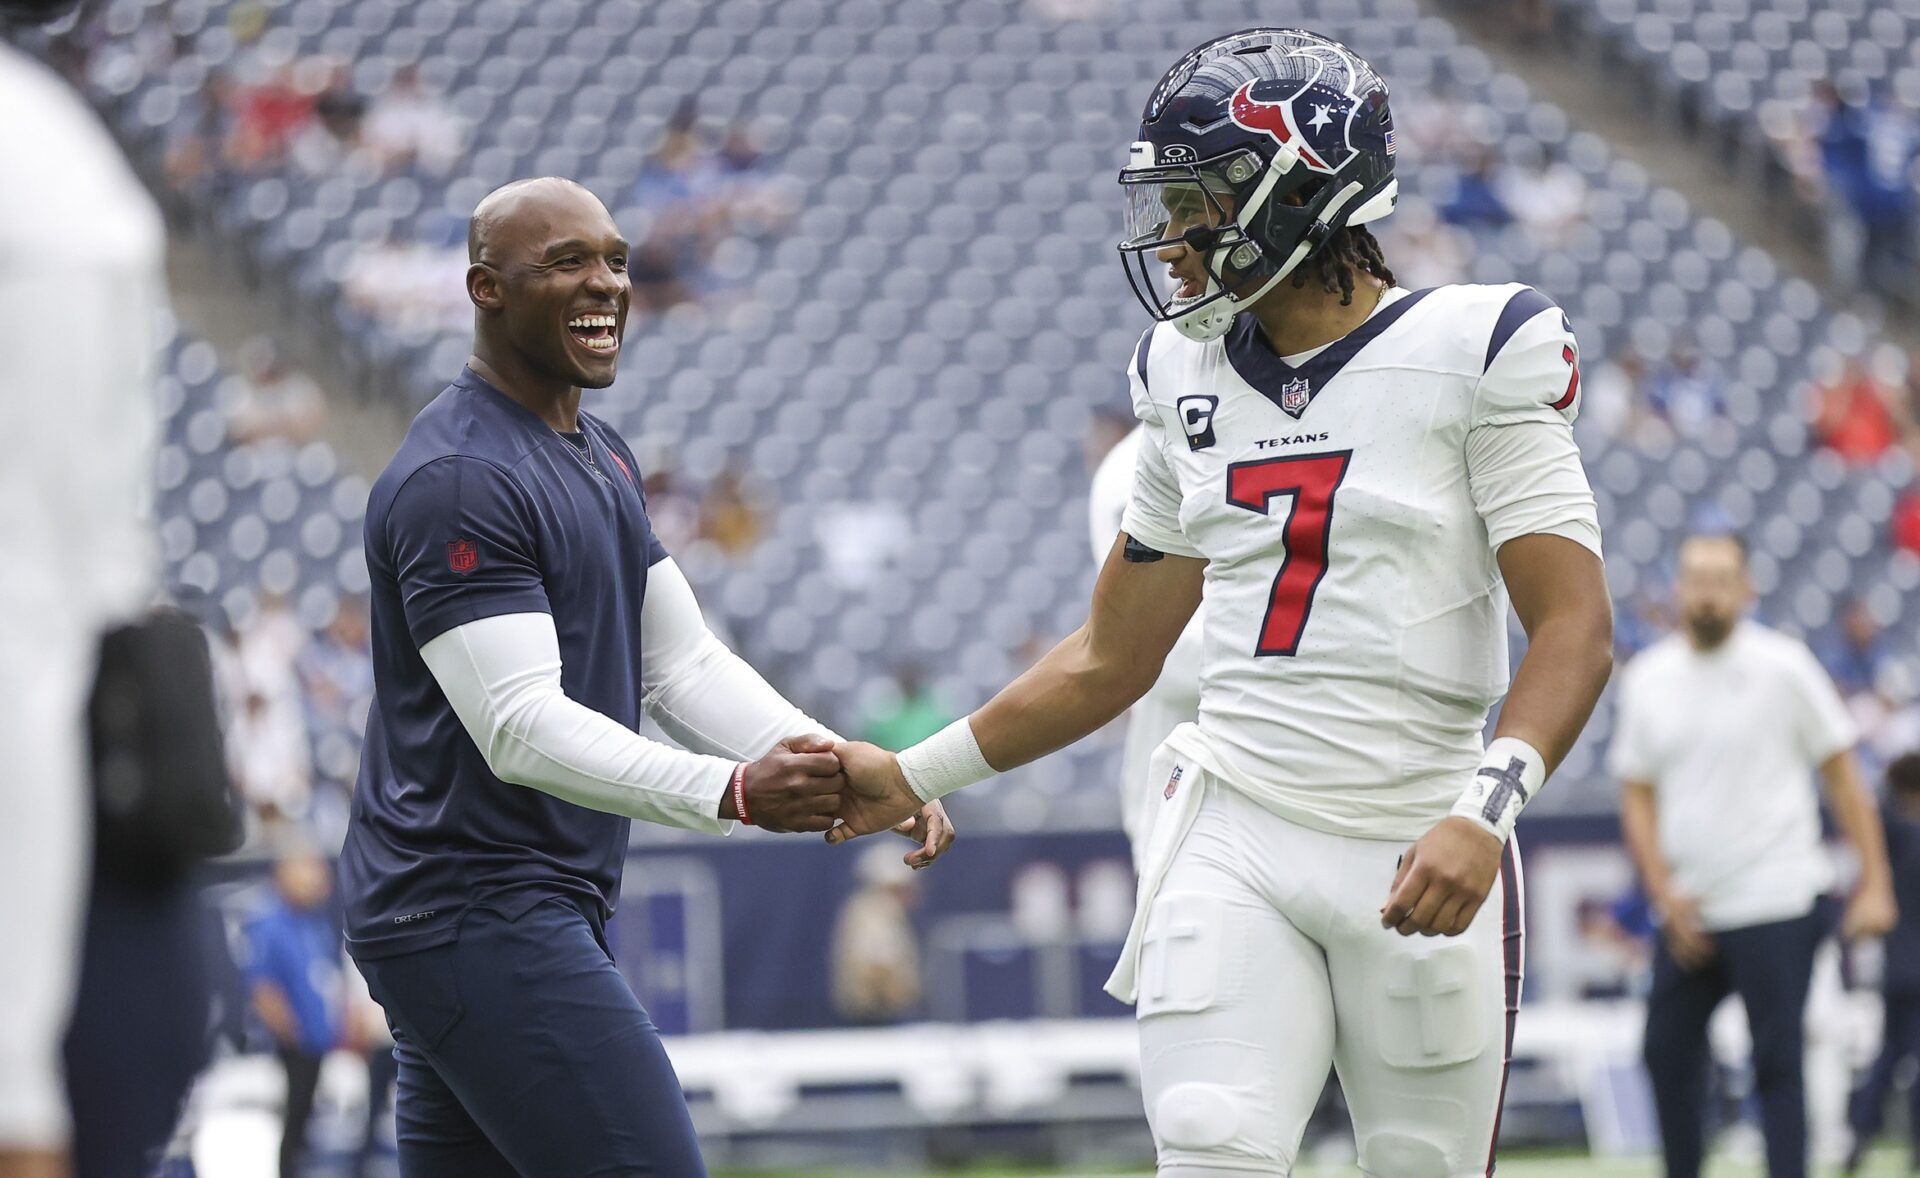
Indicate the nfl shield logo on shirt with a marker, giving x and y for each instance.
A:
(462, 555)
(1173, 783)
(1295, 394)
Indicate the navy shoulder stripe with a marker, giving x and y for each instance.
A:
(1524, 305)
(1140, 356)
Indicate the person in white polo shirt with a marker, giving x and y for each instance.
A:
(1720, 731)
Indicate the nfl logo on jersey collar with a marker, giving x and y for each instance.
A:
(1293, 389)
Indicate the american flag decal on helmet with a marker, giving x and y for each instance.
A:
(1389, 140)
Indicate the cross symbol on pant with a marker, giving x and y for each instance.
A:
(1155, 966)
(1425, 988)
(1506, 784)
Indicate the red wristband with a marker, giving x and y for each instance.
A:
(740, 794)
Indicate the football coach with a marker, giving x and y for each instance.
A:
(524, 615)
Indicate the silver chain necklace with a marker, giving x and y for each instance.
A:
(583, 453)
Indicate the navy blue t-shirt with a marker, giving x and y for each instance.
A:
(486, 510)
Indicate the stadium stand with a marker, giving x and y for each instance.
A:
(1819, 100)
(911, 359)
(1744, 69)
(239, 519)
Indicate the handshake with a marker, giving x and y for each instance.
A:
(810, 783)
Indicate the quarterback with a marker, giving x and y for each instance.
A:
(1356, 479)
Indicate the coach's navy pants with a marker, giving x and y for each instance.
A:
(1900, 1040)
(1770, 967)
(523, 1051)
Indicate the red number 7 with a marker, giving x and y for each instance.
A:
(1311, 479)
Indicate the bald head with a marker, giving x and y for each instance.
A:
(520, 208)
(547, 276)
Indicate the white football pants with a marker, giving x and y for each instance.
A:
(1263, 963)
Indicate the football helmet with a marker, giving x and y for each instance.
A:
(1254, 149)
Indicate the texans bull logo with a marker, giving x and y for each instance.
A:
(1320, 139)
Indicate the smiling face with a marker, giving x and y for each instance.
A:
(1188, 208)
(549, 281)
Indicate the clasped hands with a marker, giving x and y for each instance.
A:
(809, 783)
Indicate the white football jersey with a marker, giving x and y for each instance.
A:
(1349, 503)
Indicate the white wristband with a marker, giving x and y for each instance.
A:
(1509, 777)
(944, 762)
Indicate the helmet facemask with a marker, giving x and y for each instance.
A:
(1220, 209)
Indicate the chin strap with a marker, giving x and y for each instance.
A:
(1211, 321)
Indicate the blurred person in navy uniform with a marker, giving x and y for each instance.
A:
(103, 999)
(524, 616)
(1900, 974)
(295, 986)
(1721, 729)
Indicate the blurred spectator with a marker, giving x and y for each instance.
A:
(861, 540)
(1900, 977)
(336, 669)
(275, 401)
(1544, 193)
(876, 955)
(1608, 960)
(325, 144)
(269, 113)
(693, 197)
(1888, 713)
(267, 736)
(1905, 527)
(195, 140)
(1426, 251)
(1854, 650)
(1850, 415)
(1476, 202)
(729, 514)
(1442, 128)
(269, 645)
(412, 288)
(267, 745)
(911, 715)
(675, 515)
(1642, 620)
(1686, 391)
(679, 187)
(756, 202)
(659, 278)
(1614, 403)
(336, 677)
(406, 125)
(1867, 150)
(292, 968)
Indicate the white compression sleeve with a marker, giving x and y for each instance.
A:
(699, 692)
(502, 676)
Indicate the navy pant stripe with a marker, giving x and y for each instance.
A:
(1514, 959)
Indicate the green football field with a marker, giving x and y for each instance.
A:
(1885, 1164)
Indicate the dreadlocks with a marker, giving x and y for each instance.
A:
(1350, 248)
